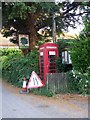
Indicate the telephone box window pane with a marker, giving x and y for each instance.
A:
(41, 57)
(52, 60)
(51, 56)
(41, 60)
(42, 65)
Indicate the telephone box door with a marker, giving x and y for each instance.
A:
(48, 53)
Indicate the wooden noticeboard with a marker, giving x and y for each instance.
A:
(23, 41)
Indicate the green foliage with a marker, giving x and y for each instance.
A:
(79, 80)
(19, 10)
(14, 67)
(18, 15)
(8, 51)
(62, 44)
(80, 53)
(22, 9)
(80, 49)
(78, 83)
(42, 91)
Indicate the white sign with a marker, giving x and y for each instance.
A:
(34, 81)
(51, 52)
(41, 48)
(41, 53)
(51, 47)
(23, 40)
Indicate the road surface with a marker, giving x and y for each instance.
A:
(16, 105)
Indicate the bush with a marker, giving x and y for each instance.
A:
(78, 82)
(10, 51)
(16, 66)
(80, 53)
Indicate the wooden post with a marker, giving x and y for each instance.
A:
(54, 28)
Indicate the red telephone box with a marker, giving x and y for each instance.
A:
(48, 53)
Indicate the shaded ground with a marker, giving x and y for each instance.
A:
(59, 106)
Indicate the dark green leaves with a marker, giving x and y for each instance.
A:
(80, 53)
(15, 66)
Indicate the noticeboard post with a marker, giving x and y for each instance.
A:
(23, 40)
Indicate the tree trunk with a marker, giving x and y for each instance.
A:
(31, 29)
(30, 23)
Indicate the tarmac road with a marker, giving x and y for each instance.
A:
(15, 105)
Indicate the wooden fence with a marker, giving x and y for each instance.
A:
(57, 82)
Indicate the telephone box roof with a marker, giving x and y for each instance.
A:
(48, 44)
